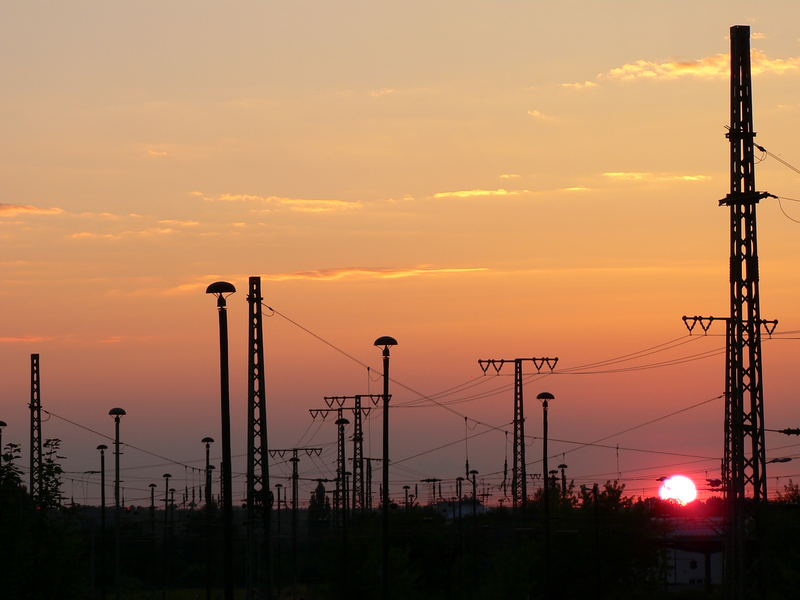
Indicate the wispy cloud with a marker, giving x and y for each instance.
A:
(179, 223)
(716, 66)
(537, 114)
(294, 204)
(13, 210)
(367, 272)
(479, 193)
(153, 152)
(509, 176)
(575, 188)
(650, 177)
(379, 93)
(150, 232)
(24, 339)
(580, 85)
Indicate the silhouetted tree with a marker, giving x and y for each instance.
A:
(10, 473)
(50, 494)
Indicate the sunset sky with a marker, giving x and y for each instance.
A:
(478, 179)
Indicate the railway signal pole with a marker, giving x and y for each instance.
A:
(744, 464)
(519, 480)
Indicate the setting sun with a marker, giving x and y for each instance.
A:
(678, 488)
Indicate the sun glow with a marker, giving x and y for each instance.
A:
(678, 488)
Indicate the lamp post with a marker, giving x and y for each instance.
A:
(545, 398)
(387, 342)
(223, 289)
(208, 441)
(117, 413)
(102, 448)
(405, 490)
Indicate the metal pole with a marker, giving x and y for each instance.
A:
(153, 557)
(278, 487)
(386, 342)
(474, 474)
(116, 412)
(545, 397)
(220, 289)
(295, 476)
(166, 534)
(102, 448)
(208, 441)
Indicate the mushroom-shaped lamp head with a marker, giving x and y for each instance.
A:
(545, 396)
(117, 412)
(166, 475)
(342, 421)
(207, 440)
(152, 485)
(102, 447)
(386, 340)
(3, 423)
(562, 466)
(220, 287)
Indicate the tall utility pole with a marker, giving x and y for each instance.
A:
(359, 494)
(36, 431)
(295, 459)
(744, 464)
(258, 491)
(519, 479)
(387, 342)
(223, 289)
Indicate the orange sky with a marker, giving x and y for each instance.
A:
(478, 179)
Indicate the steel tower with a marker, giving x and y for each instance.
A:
(258, 491)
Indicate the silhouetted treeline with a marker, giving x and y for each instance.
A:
(604, 545)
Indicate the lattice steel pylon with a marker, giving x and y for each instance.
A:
(519, 478)
(360, 493)
(745, 451)
(744, 461)
(36, 431)
(258, 491)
